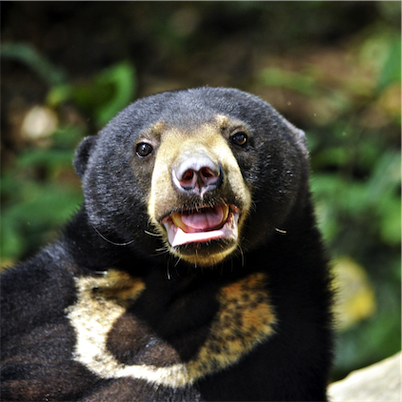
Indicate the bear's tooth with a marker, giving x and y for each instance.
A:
(225, 209)
(176, 218)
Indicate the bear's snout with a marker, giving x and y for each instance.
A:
(198, 199)
(197, 173)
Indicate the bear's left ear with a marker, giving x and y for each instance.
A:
(83, 153)
(299, 136)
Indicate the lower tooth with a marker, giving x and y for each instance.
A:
(178, 222)
(225, 209)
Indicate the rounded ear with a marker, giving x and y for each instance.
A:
(298, 134)
(82, 154)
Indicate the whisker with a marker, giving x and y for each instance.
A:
(152, 234)
(168, 271)
(160, 252)
(109, 241)
(253, 206)
(242, 255)
(281, 231)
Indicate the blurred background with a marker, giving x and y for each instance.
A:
(331, 68)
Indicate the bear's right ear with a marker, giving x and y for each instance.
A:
(82, 154)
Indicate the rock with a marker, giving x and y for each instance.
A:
(378, 382)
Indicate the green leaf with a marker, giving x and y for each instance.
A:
(44, 209)
(391, 71)
(104, 96)
(386, 176)
(50, 158)
(276, 77)
(123, 78)
(390, 228)
(11, 239)
(28, 55)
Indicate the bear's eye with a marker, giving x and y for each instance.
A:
(239, 138)
(143, 149)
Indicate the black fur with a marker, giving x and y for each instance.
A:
(172, 318)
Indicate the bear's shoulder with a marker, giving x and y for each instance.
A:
(36, 291)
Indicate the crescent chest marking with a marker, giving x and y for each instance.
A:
(245, 318)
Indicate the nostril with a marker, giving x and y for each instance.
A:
(188, 180)
(208, 177)
(197, 174)
(188, 175)
(207, 173)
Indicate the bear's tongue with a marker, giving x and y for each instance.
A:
(201, 220)
(201, 225)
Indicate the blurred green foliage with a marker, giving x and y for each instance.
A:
(276, 77)
(353, 134)
(356, 183)
(104, 96)
(28, 55)
(391, 70)
(34, 202)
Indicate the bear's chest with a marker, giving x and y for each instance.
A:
(113, 341)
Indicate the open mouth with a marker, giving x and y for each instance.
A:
(202, 224)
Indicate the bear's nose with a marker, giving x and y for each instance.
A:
(197, 174)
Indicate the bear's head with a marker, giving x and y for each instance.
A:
(201, 173)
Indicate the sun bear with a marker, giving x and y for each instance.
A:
(194, 270)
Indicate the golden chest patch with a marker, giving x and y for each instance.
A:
(244, 319)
